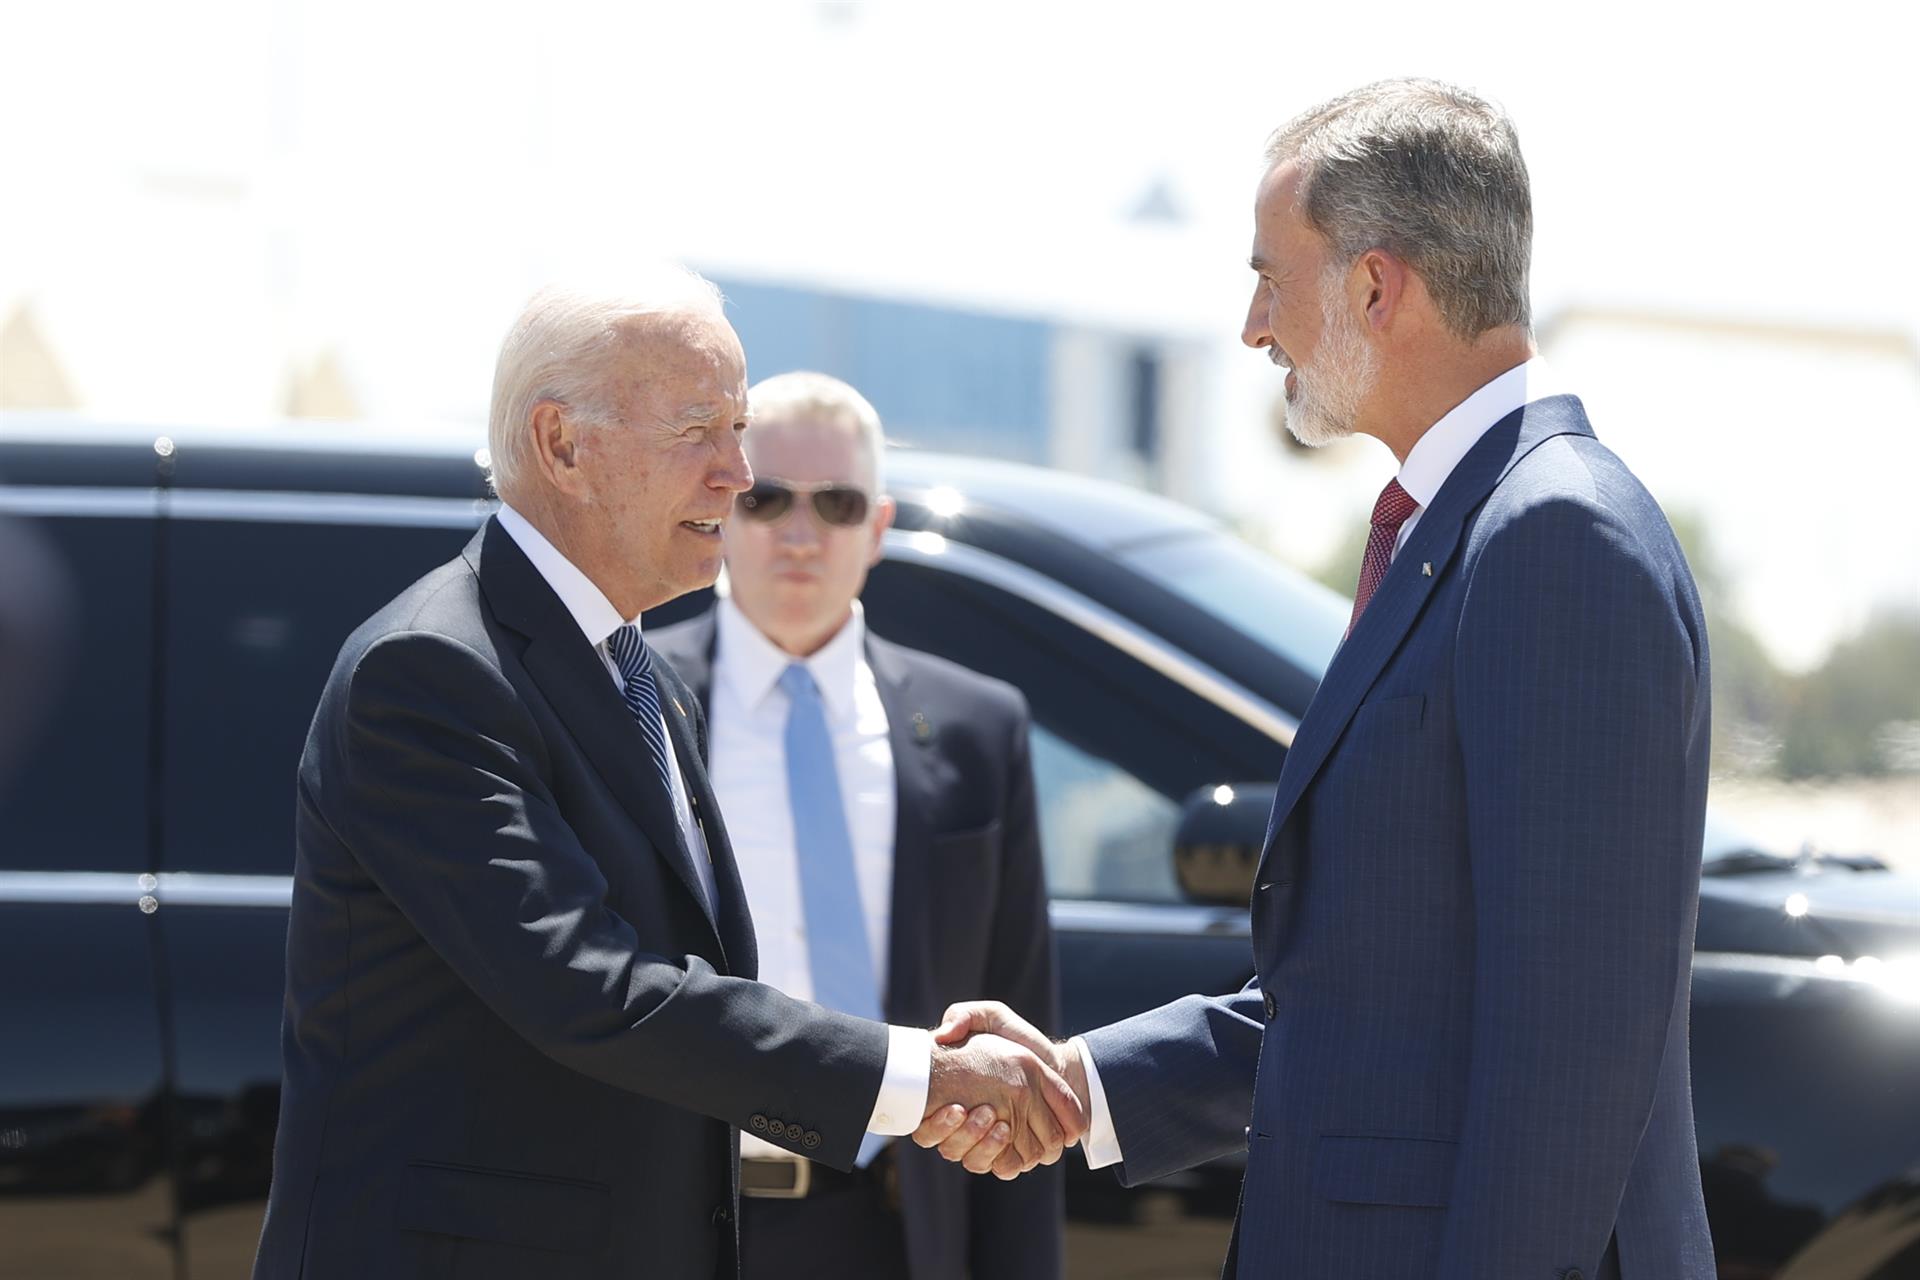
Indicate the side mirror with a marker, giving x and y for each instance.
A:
(1216, 848)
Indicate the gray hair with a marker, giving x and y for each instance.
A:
(1430, 173)
(803, 394)
(558, 351)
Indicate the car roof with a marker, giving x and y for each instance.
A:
(1100, 515)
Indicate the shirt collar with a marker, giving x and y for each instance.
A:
(1435, 454)
(753, 664)
(591, 610)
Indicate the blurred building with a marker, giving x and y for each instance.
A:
(1121, 403)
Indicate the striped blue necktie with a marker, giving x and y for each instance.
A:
(837, 950)
(635, 661)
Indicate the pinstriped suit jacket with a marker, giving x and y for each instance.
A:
(1464, 1052)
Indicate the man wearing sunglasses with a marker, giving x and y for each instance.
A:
(522, 1029)
(883, 818)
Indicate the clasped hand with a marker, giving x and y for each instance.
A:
(1002, 1097)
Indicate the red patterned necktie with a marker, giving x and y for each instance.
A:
(1396, 505)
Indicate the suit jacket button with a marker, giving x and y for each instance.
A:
(811, 1139)
(722, 1215)
(757, 1123)
(1572, 1273)
(1267, 1000)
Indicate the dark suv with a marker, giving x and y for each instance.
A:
(200, 583)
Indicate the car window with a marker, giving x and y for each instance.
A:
(76, 631)
(1289, 613)
(256, 613)
(1116, 745)
(1106, 834)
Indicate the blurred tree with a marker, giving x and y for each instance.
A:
(1340, 571)
(1750, 692)
(1859, 712)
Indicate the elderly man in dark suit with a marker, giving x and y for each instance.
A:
(885, 828)
(522, 1032)
(1463, 1055)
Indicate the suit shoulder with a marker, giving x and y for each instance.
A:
(682, 639)
(444, 604)
(1572, 509)
(942, 678)
(1572, 487)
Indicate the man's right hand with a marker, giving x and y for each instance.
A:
(972, 1138)
(1038, 1112)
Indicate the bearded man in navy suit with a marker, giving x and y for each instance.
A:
(1463, 1054)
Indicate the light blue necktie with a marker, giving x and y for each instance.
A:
(837, 951)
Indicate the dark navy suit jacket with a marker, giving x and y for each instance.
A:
(1464, 1052)
(969, 921)
(515, 1042)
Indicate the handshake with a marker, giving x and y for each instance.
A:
(1002, 1098)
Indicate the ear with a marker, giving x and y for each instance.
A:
(883, 509)
(1383, 279)
(556, 446)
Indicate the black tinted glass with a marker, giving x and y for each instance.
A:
(76, 668)
(840, 506)
(764, 502)
(256, 615)
(1117, 745)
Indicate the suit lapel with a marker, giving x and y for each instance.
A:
(692, 664)
(910, 933)
(1408, 584)
(577, 683)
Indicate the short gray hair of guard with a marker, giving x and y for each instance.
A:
(1430, 173)
(788, 397)
(559, 350)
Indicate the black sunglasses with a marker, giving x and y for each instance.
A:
(835, 504)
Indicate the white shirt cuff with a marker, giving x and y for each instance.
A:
(1102, 1144)
(902, 1103)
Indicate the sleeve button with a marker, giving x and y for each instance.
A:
(811, 1140)
(758, 1123)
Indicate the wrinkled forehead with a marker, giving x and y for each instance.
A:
(681, 365)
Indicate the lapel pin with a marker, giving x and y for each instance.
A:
(1426, 568)
(922, 730)
(676, 705)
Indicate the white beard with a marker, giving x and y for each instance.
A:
(1344, 369)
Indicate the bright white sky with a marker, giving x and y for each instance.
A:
(191, 191)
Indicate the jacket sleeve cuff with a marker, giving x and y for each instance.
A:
(902, 1103)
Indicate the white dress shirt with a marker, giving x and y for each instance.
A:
(597, 620)
(1437, 452)
(904, 1085)
(1431, 460)
(747, 728)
